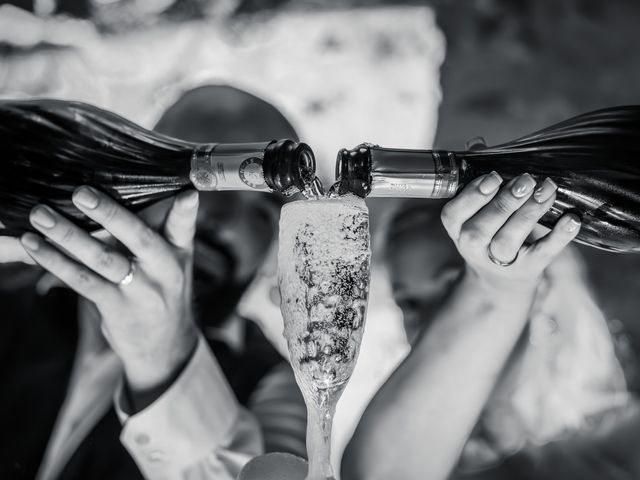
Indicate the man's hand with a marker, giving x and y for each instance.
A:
(11, 250)
(487, 221)
(147, 321)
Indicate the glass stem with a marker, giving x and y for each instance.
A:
(319, 422)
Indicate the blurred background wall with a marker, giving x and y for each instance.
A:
(352, 71)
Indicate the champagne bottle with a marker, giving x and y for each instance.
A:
(50, 147)
(594, 158)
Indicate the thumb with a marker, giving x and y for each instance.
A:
(11, 250)
(180, 227)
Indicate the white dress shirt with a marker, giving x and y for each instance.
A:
(195, 430)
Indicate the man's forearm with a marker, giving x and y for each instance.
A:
(417, 424)
(157, 373)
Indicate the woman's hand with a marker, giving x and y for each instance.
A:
(489, 226)
(144, 301)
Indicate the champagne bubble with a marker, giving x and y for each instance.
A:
(332, 301)
(312, 349)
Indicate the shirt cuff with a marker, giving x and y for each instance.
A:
(190, 420)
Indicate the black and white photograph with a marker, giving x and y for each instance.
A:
(319, 240)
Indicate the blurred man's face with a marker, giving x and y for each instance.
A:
(237, 225)
(233, 234)
(423, 264)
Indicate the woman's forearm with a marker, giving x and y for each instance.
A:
(416, 425)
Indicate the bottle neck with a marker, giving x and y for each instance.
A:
(374, 171)
(281, 166)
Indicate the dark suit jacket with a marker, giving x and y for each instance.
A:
(38, 339)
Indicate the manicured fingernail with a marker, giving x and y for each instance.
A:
(43, 217)
(86, 198)
(523, 185)
(189, 199)
(490, 183)
(545, 190)
(30, 241)
(572, 223)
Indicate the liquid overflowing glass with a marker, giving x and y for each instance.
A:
(314, 190)
(323, 274)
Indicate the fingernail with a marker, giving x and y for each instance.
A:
(189, 199)
(30, 241)
(523, 185)
(490, 183)
(545, 190)
(43, 217)
(572, 223)
(86, 198)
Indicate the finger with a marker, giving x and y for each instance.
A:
(11, 250)
(538, 232)
(475, 143)
(94, 254)
(77, 277)
(546, 249)
(509, 239)
(146, 244)
(568, 264)
(468, 202)
(482, 227)
(180, 227)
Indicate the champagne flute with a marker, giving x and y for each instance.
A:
(323, 274)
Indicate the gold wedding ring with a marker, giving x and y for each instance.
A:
(499, 262)
(129, 276)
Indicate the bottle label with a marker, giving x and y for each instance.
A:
(202, 175)
(251, 173)
(413, 173)
(228, 167)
